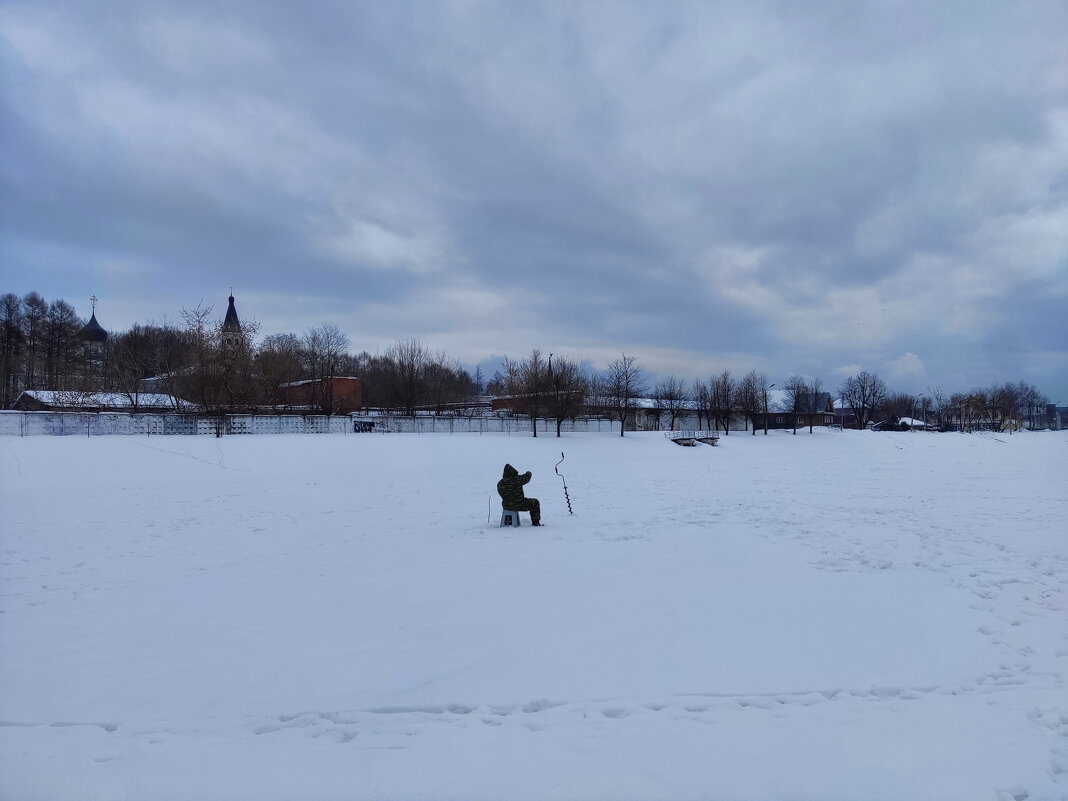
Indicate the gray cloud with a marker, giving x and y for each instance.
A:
(709, 186)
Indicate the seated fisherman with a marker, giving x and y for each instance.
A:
(510, 488)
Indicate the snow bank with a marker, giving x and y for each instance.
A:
(828, 616)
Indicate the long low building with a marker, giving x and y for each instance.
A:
(53, 400)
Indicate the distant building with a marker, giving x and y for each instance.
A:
(329, 395)
(820, 411)
(47, 400)
(1056, 416)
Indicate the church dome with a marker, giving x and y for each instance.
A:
(93, 331)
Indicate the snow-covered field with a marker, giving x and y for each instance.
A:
(829, 616)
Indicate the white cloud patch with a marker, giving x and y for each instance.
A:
(847, 370)
(909, 364)
(368, 243)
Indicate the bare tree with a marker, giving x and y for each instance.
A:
(725, 392)
(498, 384)
(655, 412)
(509, 379)
(937, 407)
(700, 399)
(956, 407)
(625, 383)
(748, 395)
(534, 380)
(1005, 401)
(324, 348)
(218, 374)
(864, 392)
(926, 404)
(11, 343)
(446, 382)
(710, 402)
(376, 378)
(63, 351)
(672, 396)
(976, 405)
(278, 363)
(568, 386)
(815, 394)
(133, 359)
(234, 356)
(1031, 402)
(35, 312)
(762, 387)
(408, 361)
(797, 391)
(895, 406)
(976, 413)
(200, 381)
(172, 350)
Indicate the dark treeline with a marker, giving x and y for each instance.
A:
(223, 370)
(39, 344)
(200, 360)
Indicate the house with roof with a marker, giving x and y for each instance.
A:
(821, 411)
(652, 414)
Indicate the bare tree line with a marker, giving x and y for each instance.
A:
(221, 371)
(226, 371)
(555, 390)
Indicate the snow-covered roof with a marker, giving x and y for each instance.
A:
(318, 380)
(111, 400)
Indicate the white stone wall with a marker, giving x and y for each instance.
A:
(94, 424)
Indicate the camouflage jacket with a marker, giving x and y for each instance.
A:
(510, 487)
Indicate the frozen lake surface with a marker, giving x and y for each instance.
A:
(846, 615)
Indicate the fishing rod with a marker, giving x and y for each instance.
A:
(557, 471)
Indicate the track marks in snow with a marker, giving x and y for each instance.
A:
(1055, 722)
(399, 728)
(1021, 592)
(63, 724)
(219, 464)
(15, 460)
(541, 714)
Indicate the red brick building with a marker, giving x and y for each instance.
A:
(332, 395)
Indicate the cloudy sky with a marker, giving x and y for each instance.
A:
(810, 188)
